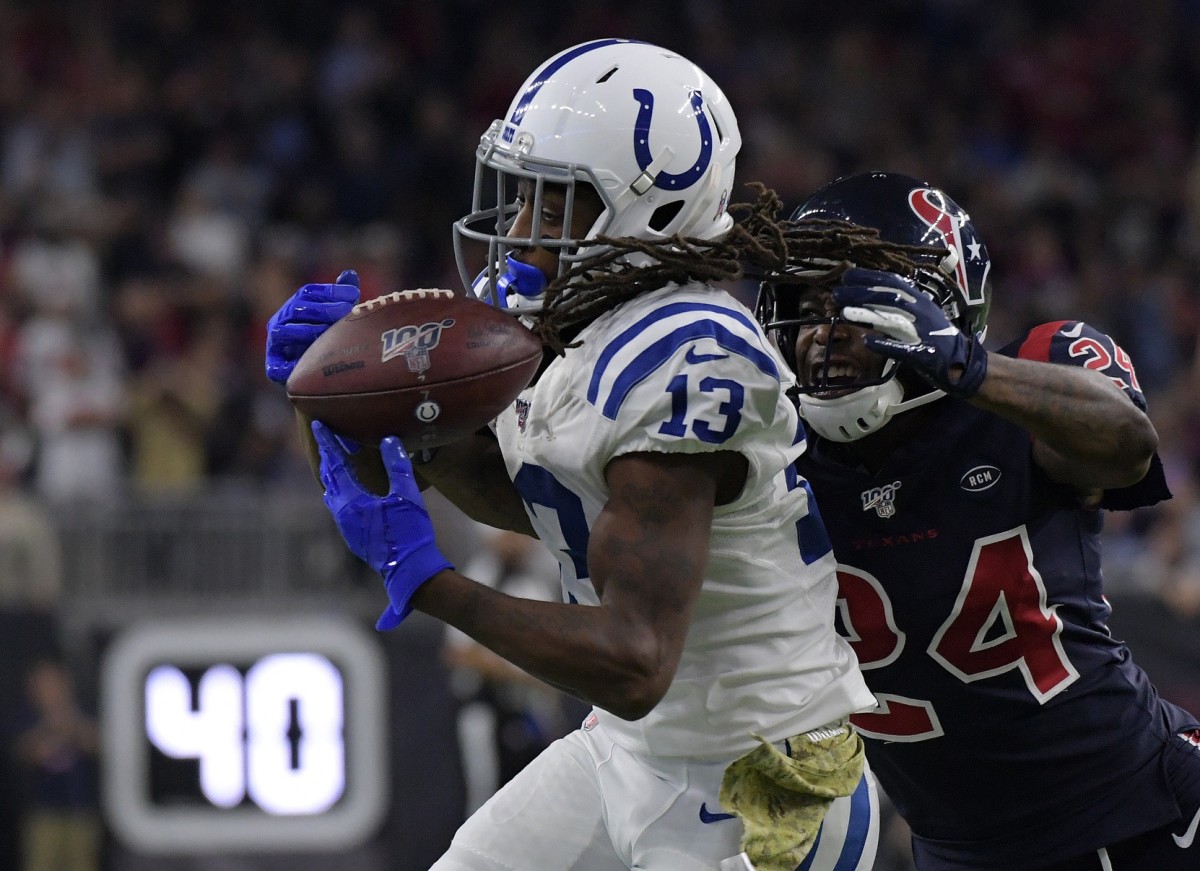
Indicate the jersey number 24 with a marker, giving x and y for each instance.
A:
(1000, 621)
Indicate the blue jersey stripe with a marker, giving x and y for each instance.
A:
(811, 535)
(659, 352)
(857, 829)
(763, 361)
(807, 864)
(554, 66)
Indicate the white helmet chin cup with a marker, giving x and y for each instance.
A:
(850, 417)
(866, 410)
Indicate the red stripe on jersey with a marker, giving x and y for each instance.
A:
(1037, 342)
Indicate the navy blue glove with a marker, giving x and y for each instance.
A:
(392, 534)
(303, 318)
(916, 331)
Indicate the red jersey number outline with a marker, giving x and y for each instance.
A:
(1101, 358)
(1000, 621)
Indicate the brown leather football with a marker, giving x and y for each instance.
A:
(430, 366)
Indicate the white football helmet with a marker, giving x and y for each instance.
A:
(646, 128)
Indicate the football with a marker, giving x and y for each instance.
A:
(430, 366)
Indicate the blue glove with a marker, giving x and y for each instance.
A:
(300, 320)
(916, 331)
(392, 534)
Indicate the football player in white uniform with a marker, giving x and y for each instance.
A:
(653, 454)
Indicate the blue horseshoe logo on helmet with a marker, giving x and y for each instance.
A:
(641, 142)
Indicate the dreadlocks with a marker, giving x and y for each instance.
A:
(760, 246)
(601, 283)
(817, 251)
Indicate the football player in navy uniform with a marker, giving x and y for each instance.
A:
(964, 492)
(653, 455)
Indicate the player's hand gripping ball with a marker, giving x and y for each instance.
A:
(301, 320)
(392, 532)
(429, 366)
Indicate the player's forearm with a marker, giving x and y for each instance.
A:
(584, 651)
(472, 475)
(1088, 431)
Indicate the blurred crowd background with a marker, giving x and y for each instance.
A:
(171, 170)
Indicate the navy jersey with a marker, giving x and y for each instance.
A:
(1012, 729)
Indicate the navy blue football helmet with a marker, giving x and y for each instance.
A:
(905, 211)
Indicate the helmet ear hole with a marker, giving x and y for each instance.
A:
(664, 215)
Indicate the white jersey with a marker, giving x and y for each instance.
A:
(687, 369)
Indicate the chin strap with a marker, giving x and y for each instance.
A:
(918, 401)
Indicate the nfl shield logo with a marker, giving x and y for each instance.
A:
(522, 413)
(882, 499)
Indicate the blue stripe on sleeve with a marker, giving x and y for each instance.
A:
(660, 351)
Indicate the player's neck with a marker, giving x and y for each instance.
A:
(872, 451)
